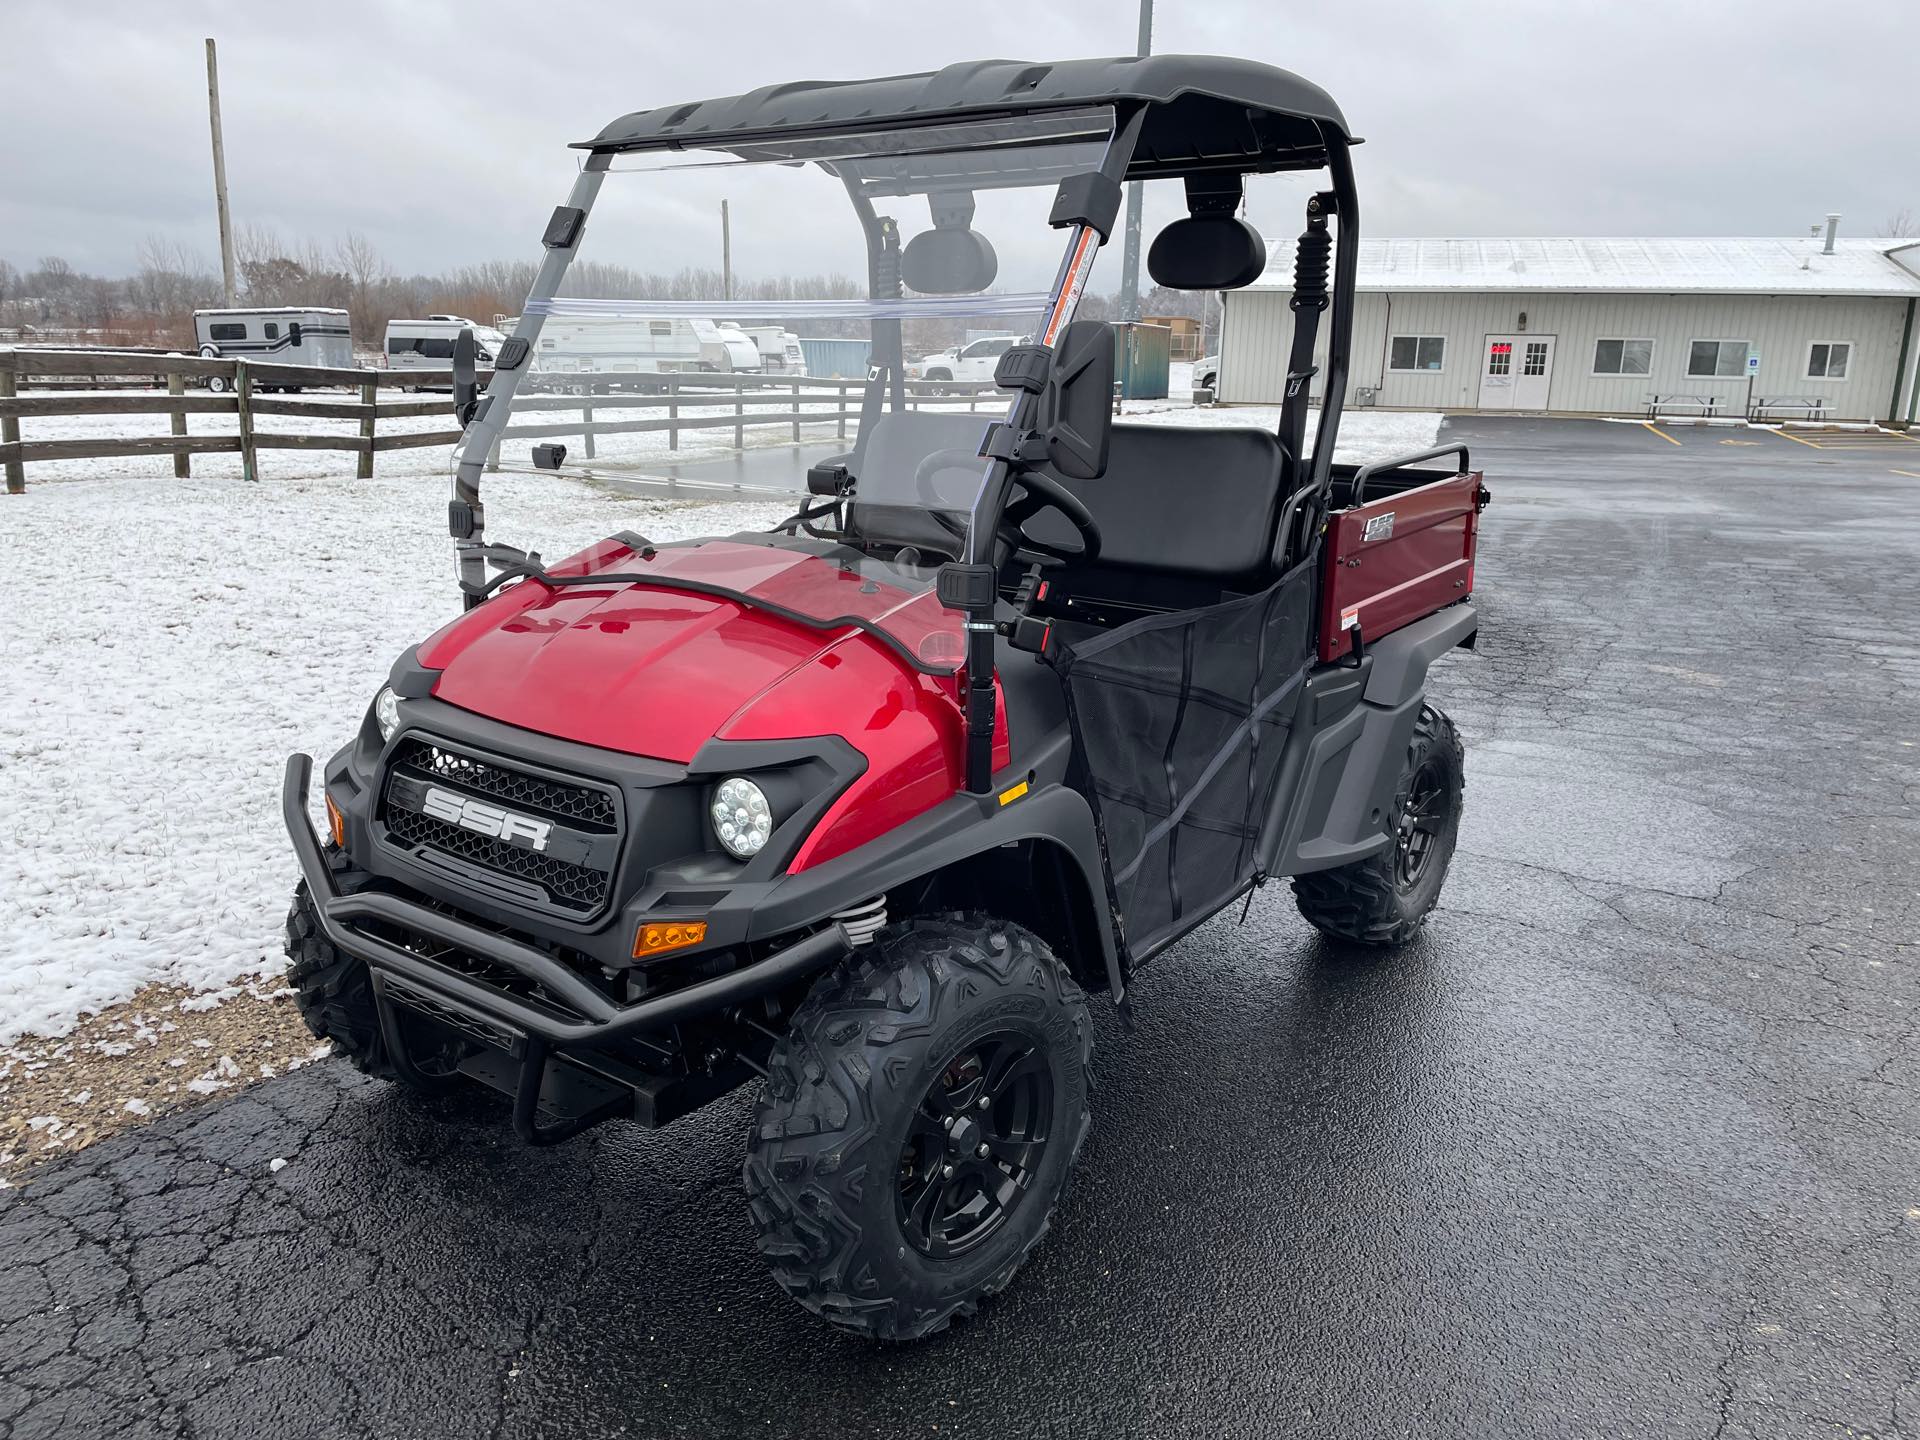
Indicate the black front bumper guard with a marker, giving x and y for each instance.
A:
(528, 1030)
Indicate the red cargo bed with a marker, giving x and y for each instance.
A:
(1399, 556)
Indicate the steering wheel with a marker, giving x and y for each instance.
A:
(1043, 492)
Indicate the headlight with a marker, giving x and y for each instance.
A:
(386, 712)
(742, 819)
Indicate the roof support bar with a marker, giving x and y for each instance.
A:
(983, 524)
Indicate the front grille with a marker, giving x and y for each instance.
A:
(572, 887)
(584, 821)
(582, 803)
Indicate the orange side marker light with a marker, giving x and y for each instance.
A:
(657, 937)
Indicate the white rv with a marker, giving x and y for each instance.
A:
(780, 352)
(584, 347)
(428, 344)
(278, 335)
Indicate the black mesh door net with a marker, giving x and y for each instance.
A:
(1179, 722)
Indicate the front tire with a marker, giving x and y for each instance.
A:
(1383, 899)
(334, 994)
(918, 1124)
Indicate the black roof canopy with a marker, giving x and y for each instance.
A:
(1203, 111)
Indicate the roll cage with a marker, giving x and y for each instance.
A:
(1205, 120)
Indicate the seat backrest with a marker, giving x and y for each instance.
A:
(1194, 501)
(1198, 502)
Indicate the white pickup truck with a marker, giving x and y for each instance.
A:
(973, 361)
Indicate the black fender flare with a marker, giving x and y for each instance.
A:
(1348, 764)
(955, 830)
(1402, 659)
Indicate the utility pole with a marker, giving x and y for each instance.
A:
(726, 253)
(1130, 256)
(220, 174)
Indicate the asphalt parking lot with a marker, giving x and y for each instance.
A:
(1624, 1144)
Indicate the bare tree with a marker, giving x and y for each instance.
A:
(1901, 226)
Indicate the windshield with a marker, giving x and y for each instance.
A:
(732, 319)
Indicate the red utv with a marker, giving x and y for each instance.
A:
(858, 810)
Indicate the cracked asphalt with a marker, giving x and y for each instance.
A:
(1624, 1144)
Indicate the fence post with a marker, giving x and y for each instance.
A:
(673, 412)
(243, 398)
(796, 412)
(369, 397)
(739, 409)
(586, 413)
(177, 389)
(10, 425)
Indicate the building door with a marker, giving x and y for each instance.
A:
(1515, 372)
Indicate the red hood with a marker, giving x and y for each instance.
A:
(652, 670)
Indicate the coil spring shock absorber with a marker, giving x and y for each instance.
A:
(864, 921)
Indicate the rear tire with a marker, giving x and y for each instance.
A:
(918, 1123)
(1383, 899)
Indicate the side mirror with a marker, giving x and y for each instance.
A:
(466, 388)
(1077, 409)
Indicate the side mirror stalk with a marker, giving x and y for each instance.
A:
(466, 386)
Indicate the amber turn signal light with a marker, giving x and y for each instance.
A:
(337, 823)
(657, 937)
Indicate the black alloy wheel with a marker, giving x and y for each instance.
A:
(1418, 829)
(976, 1141)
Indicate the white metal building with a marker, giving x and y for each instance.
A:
(1601, 326)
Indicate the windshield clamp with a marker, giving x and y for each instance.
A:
(1089, 198)
(967, 587)
(1024, 367)
(1001, 442)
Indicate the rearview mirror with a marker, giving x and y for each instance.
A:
(1077, 409)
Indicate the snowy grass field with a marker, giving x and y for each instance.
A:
(171, 641)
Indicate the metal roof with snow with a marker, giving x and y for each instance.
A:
(1685, 265)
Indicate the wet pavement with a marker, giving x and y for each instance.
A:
(1623, 1144)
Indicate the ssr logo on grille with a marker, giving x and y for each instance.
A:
(485, 819)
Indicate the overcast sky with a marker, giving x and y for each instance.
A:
(438, 130)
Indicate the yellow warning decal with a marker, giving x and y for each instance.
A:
(1008, 796)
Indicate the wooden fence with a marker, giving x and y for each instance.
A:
(683, 402)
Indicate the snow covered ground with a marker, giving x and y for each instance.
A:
(170, 641)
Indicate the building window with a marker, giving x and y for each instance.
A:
(1536, 361)
(1828, 360)
(227, 331)
(1622, 357)
(1417, 352)
(1718, 359)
